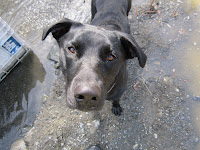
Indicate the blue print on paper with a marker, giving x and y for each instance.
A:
(12, 45)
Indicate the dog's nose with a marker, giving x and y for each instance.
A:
(87, 94)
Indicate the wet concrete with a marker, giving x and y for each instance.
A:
(161, 102)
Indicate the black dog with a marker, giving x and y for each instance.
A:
(93, 57)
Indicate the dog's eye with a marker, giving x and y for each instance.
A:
(110, 57)
(72, 49)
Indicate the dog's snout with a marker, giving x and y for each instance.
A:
(87, 94)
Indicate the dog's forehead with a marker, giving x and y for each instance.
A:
(97, 33)
(97, 36)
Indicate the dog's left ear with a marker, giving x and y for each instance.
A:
(132, 49)
(60, 28)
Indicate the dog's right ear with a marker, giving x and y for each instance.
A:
(60, 28)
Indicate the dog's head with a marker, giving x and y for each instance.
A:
(91, 58)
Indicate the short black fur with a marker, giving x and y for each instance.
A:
(93, 57)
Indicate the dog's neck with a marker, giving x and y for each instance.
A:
(112, 15)
(111, 26)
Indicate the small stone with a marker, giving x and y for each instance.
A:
(155, 136)
(182, 117)
(96, 123)
(196, 98)
(187, 18)
(81, 125)
(135, 33)
(57, 65)
(129, 17)
(168, 79)
(160, 113)
(44, 99)
(135, 146)
(95, 147)
(94, 126)
(18, 145)
(157, 63)
(37, 143)
(177, 90)
(89, 124)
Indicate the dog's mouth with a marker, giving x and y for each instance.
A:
(89, 109)
(85, 105)
(73, 104)
(90, 106)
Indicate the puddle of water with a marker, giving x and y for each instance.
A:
(192, 65)
(18, 107)
(189, 62)
(196, 118)
(192, 68)
(21, 93)
(191, 5)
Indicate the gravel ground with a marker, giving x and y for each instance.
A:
(156, 104)
(156, 119)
